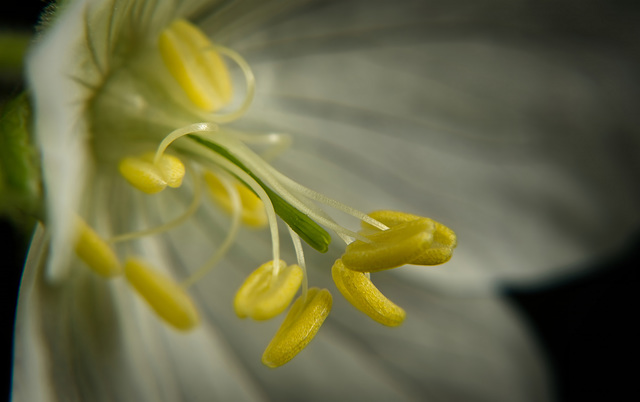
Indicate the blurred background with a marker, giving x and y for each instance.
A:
(584, 322)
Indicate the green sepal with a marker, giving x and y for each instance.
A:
(305, 227)
(20, 183)
(13, 47)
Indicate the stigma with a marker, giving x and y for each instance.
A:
(186, 136)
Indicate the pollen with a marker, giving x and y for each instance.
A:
(444, 239)
(95, 252)
(299, 327)
(397, 246)
(363, 295)
(150, 176)
(192, 60)
(253, 213)
(264, 295)
(165, 296)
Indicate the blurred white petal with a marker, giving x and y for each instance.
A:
(480, 121)
(106, 345)
(64, 155)
(521, 140)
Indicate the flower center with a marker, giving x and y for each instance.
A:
(248, 188)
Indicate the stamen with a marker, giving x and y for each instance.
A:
(181, 132)
(264, 294)
(297, 245)
(95, 252)
(252, 208)
(164, 296)
(305, 226)
(363, 295)
(192, 61)
(251, 87)
(216, 159)
(197, 195)
(255, 164)
(298, 328)
(316, 196)
(252, 191)
(277, 179)
(171, 168)
(151, 176)
(199, 273)
(195, 64)
(391, 248)
(444, 239)
(276, 142)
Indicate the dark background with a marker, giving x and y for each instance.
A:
(584, 323)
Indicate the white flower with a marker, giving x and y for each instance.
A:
(387, 109)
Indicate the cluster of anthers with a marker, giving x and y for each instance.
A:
(253, 192)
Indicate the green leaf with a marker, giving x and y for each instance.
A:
(305, 227)
(20, 186)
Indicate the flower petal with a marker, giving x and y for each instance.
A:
(60, 131)
(449, 347)
(106, 344)
(519, 141)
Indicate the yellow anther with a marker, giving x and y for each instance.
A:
(263, 296)
(363, 295)
(193, 62)
(149, 177)
(253, 212)
(95, 252)
(444, 239)
(299, 327)
(171, 168)
(165, 296)
(397, 246)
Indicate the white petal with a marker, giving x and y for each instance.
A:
(449, 348)
(89, 339)
(30, 379)
(60, 130)
(103, 343)
(520, 142)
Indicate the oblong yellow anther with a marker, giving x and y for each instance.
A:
(363, 295)
(165, 296)
(95, 252)
(171, 168)
(397, 246)
(299, 327)
(263, 296)
(149, 177)
(253, 212)
(444, 239)
(192, 60)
